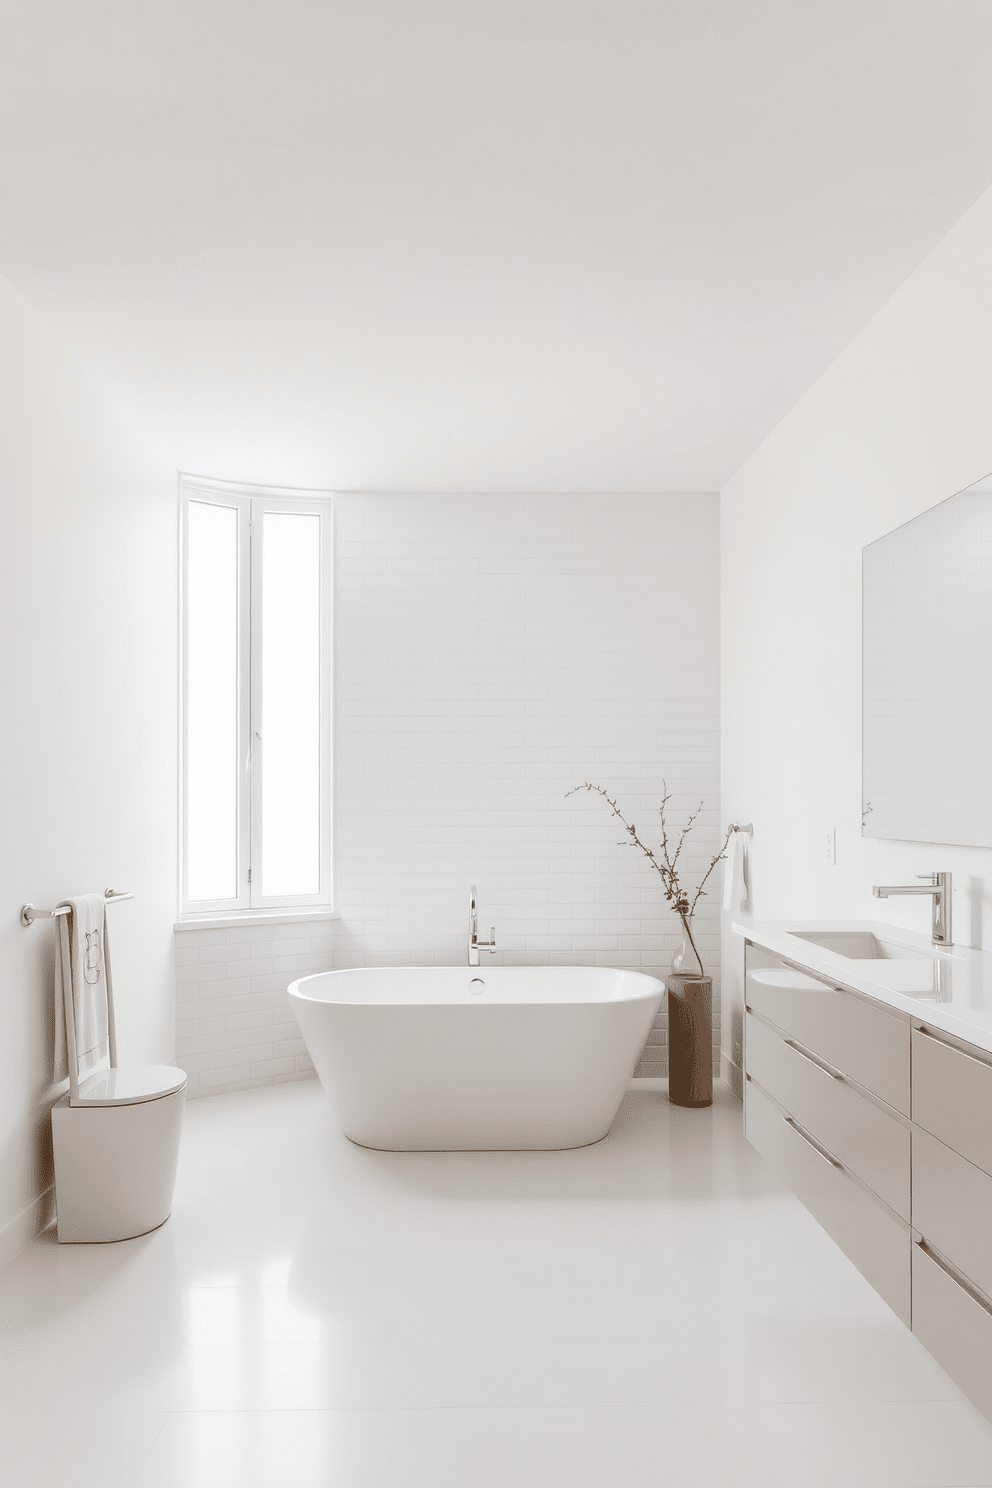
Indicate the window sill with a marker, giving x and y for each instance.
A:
(255, 917)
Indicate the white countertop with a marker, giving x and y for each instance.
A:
(946, 989)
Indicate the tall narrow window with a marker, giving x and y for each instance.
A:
(212, 701)
(290, 712)
(257, 685)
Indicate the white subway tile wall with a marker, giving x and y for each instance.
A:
(234, 1027)
(491, 653)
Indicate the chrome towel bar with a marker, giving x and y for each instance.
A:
(29, 913)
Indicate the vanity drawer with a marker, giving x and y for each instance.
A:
(858, 1039)
(873, 1238)
(869, 1143)
(955, 1327)
(952, 1208)
(870, 1045)
(952, 1097)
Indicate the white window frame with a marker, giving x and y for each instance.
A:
(251, 504)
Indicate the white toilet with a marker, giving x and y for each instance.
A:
(115, 1137)
(116, 1149)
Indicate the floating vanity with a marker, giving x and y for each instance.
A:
(868, 1088)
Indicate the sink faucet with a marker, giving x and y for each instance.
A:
(939, 886)
(475, 945)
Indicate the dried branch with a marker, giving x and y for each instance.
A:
(666, 865)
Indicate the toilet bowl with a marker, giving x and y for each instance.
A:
(116, 1148)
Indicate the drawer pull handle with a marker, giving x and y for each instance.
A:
(958, 1276)
(813, 1060)
(822, 1151)
(925, 1033)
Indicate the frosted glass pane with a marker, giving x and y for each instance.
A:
(212, 702)
(291, 704)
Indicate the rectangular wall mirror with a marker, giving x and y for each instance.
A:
(927, 675)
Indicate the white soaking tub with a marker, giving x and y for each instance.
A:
(463, 1058)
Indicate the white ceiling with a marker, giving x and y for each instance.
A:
(508, 245)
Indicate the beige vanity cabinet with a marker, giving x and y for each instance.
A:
(952, 1208)
(819, 1062)
(882, 1126)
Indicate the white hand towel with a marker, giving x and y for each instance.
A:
(86, 979)
(735, 887)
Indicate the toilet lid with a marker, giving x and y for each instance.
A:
(130, 1085)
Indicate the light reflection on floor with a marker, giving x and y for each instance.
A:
(655, 1309)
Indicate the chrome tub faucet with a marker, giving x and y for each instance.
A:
(475, 945)
(939, 886)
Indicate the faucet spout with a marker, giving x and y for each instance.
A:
(475, 945)
(884, 891)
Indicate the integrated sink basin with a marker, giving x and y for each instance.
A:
(915, 971)
(860, 945)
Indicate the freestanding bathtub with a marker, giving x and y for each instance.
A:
(459, 1058)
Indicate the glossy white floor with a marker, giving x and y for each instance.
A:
(652, 1310)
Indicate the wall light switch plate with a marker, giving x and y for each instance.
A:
(832, 847)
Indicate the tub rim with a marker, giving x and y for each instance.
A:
(658, 988)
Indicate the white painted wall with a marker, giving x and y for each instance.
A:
(901, 420)
(492, 652)
(88, 743)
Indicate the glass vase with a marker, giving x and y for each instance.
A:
(685, 962)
